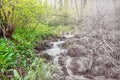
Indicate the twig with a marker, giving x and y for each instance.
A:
(107, 44)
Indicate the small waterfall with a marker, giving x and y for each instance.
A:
(56, 48)
(57, 51)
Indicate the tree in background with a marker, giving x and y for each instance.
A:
(21, 13)
(6, 18)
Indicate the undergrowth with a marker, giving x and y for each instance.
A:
(17, 58)
(64, 29)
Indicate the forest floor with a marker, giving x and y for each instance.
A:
(85, 56)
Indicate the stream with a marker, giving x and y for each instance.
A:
(62, 61)
(56, 51)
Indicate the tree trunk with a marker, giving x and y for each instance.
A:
(77, 10)
(6, 28)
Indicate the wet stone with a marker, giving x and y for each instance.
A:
(98, 70)
(61, 60)
(47, 56)
(76, 51)
(80, 65)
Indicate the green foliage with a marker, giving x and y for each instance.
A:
(63, 29)
(21, 52)
(16, 74)
(7, 8)
(39, 70)
(31, 12)
(30, 20)
(59, 18)
(8, 54)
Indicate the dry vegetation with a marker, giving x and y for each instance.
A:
(95, 53)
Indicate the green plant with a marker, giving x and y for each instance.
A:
(39, 70)
(20, 52)
(28, 17)
(8, 54)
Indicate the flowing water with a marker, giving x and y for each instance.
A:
(57, 51)
(58, 54)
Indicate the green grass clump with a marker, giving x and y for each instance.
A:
(39, 70)
(8, 54)
(19, 53)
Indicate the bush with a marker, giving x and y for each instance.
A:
(20, 52)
